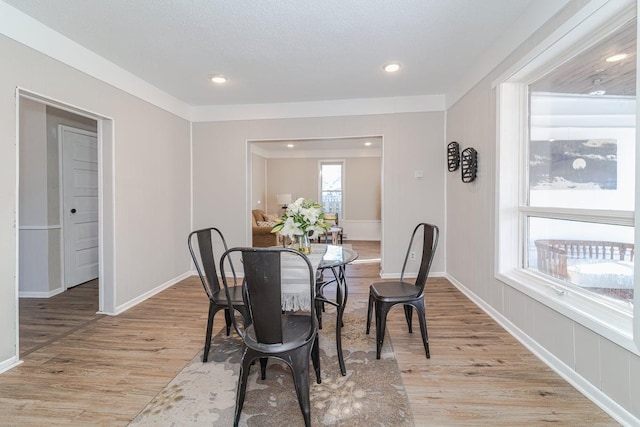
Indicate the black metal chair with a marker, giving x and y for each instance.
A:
(385, 295)
(289, 336)
(205, 263)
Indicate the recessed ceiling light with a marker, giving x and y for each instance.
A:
(367, 143)
(617, 57)
(290, 145)
(392, 67)
(218, 78)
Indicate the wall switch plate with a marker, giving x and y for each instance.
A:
(418, 174)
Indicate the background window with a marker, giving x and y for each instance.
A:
(331, 174)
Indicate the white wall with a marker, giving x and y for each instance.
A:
(34, 232)
(150, 177)
(299, 176)
(412, 141)
(295, 176)
(363, 189)
(592, 362)
(258, 182)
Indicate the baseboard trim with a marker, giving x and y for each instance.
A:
(591, 392)
(9, 364)
(411, 275)
(30, 294)
(126, 306)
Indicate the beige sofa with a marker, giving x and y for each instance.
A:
(261, 229)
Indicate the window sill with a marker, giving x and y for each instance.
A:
(612, 323)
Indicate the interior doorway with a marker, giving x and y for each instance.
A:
(58, 149)
(292, 167)
(41, 229)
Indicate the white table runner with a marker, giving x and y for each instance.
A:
(295, 278)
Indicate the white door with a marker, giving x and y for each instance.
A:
(79, 204)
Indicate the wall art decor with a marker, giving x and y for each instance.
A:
(469, 163)
(453, 156)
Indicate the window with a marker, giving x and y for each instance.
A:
(581, 170)
(566, 228)
(331, 186)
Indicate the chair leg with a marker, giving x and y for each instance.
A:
(207, 340)
(263, 367)
(339, 326)
(299, 363)
(423, 327)
(381, 323)
(369, 312)
(408, 312)
(319, 310)
(315, 358)
(227, 319)
(242, 385)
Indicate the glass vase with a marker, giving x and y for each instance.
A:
(304, 244)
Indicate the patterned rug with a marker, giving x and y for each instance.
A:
(371, 394)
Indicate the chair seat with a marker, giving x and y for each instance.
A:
(295, 330)
(393, 291)
(235, 292)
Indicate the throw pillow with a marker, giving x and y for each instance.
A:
(272, 217)
(266, 223)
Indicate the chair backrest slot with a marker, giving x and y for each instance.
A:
(208, 261)
(262, 279)
(430, 234)
(205, 260)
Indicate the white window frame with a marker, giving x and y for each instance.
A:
(619, 325)
(342, 163)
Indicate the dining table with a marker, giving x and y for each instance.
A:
(329, 263)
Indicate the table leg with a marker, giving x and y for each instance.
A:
(341, 298)
(340, 304)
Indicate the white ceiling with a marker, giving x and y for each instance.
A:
(276, 51)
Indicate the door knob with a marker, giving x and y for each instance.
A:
(73, 210)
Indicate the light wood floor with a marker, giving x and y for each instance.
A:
(85, 369)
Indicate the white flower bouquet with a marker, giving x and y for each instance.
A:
(302, 218)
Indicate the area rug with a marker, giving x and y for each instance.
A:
(371, 394)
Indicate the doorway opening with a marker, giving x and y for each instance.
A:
(293, 167)
(64, 221)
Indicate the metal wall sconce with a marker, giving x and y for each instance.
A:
(469, 164)
(453, 156)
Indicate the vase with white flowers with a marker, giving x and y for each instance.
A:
(302, 221)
